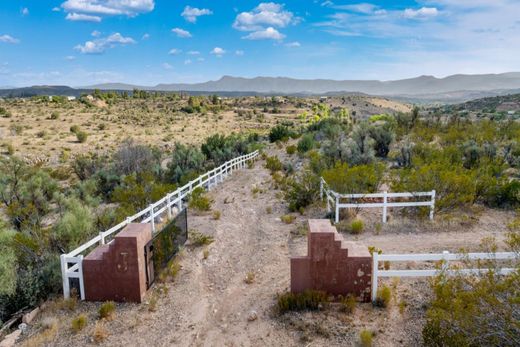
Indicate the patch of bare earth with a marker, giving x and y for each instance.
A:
(209, 303)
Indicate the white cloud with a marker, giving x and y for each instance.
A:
(423, 12)
(192, 13)
(24, 11)
(218, 52)
(181, 32)
(56, 9)
(99, 46)
(265, 15)
(187, 62)
(239, 52)
(193, 52)
(267, 34)
(145, 36)
(293, 44)
(175, 51)
(167, 66)
(77, 17)
(129, 8)
(8, 39)
(95, 33)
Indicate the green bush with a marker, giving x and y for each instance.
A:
(187, 162)
(306, 143)
(302, 191)
(199, 239)
(79, 323)
(74, 129)
(365, 338)
(81, 136)
(352, 180)
(309, 300)
(280, 133)
(107, 310)
(273, 164)
(199, 200)
(348, 304)
(383, 297)
(474, 310)
(357, 226)
(290, 149)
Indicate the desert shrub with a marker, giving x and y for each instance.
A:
(87, 165)
(302, 191)
(220, 148)
(348, 304)
(75, 225)
(199, 200)
(74, 129)
(216, 215)
(10, 149)
(357, 149)
(8, 262)
(309, 300)
(100, 333)
(79, 323)
(199, 239)
(383, 137)
(383, 297)
(306, 143)
(290, 149)
(365, 338)
(356, 226)
(455, 187)
(273, 164)
(474, 310)
(107, 310)
(279, 133)
(187, 162)
(357, 179)
(81, 136)
(135, 158)
(288, 218)
(55, 115)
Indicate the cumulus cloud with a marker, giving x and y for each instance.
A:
(181, 32)
(8, 39)
(175, 51)
(264, 15)
(78, 17)
(24, 11)
(99, 46)
(99, 8)
(218, 52)
(192, 13)
(423, 12)
(167, 66)
(267, 34)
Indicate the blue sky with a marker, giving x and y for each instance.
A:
(81, 42)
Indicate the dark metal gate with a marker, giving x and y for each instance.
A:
(164, 245)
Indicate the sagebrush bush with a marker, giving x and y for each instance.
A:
(302, 191)
(81, 136)
(280, 133)
(306, 143)
(310, 300)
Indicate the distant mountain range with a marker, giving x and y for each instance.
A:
(453, 88)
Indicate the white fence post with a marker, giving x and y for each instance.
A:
(321, 189)
(336, 219)
(101, 238)
(385, 201)
(445, 264)
(152, 219)
(432, 207)
(375, 269)
(169, 205)
(64, 277)
(80, 274)
(179, 201)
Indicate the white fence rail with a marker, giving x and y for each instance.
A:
(335, 198)
(445, 257)
(71, 263)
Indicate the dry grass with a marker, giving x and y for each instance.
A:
(49, 331)
(100, 332)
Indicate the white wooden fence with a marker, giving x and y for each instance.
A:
(335, 198)
(446, 257)
(71, 263)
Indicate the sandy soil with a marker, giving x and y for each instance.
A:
(208, 303)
